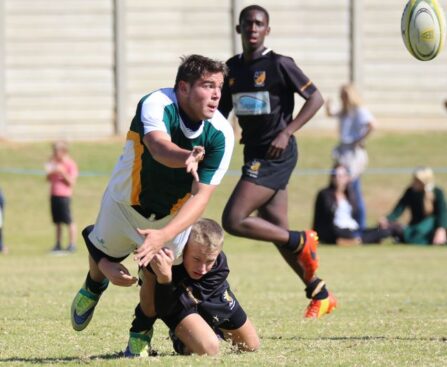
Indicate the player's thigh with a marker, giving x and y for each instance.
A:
(245, 337)
(197, 335)
(147, 291)
(246, 198)
(275, 210)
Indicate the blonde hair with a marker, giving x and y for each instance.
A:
(207, 233)
(61, 145)
(353, 99)
(426, 177)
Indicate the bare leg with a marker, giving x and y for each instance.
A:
(245, 338)
(246, 199)
(271, 224)
(147, 293)
(58, 233)
(197, 335)
(275, 211)
(72, 233)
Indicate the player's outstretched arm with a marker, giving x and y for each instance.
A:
(188, 214)
(166, 152)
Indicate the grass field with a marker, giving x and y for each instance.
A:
(392, 298)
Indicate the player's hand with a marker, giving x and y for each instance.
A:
(440, 236)
(117, 273)
(154, 240)
(192, 162)
(384, 223)
(278, 145)
(161, 264)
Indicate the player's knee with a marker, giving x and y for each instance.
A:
(251, 344)
(231, 223)
(210, 346)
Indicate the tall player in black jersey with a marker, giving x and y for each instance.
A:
(260, 87)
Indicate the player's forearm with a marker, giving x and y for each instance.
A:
(188, 214)
(169, 154)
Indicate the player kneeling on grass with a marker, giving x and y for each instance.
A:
(194, 299)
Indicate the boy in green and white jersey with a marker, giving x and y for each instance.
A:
(177, 151)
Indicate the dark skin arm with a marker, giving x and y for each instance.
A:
(309, 109)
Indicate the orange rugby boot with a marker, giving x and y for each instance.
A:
(320, 307)
(307, 257)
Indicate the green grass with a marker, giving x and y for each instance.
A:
(392, 298)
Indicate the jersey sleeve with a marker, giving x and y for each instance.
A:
(152, 112)
(401, 205)
(217, 154)
(295, 78)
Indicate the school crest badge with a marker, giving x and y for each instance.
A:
(259, 78)
(252, 168)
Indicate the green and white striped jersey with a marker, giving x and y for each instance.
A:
(138, 179)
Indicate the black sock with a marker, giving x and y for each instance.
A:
(296, 241)
(94, 286)
(141, 322)
(317, 289)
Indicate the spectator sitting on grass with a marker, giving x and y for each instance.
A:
(428, 211)
(335, 209)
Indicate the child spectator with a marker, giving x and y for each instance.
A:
(62, 172)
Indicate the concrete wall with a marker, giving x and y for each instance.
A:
(76, 68)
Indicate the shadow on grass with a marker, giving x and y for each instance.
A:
(36, 360)
(366, 337)
(81, 360)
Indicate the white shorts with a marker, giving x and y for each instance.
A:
(115, 231)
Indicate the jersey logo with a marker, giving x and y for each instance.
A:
(231, 82)
(252, 168)
(259, 78)
(251, 103)
(227, 298)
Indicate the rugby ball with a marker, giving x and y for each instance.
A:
(423, 28)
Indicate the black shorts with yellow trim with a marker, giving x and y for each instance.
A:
(272, 173)
(220, 311)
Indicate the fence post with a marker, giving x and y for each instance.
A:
(2, 71)
(121, 122)
(356, 41)
(236, 7)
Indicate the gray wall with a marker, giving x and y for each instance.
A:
(76, 68)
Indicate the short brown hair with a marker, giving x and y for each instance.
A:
(193, 67)
(208, 233)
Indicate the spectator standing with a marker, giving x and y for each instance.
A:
(62, 172)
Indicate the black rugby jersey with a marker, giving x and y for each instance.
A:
(189, 291)
(261, 92)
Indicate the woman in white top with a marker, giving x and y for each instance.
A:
(355, 123)
(335, 212)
